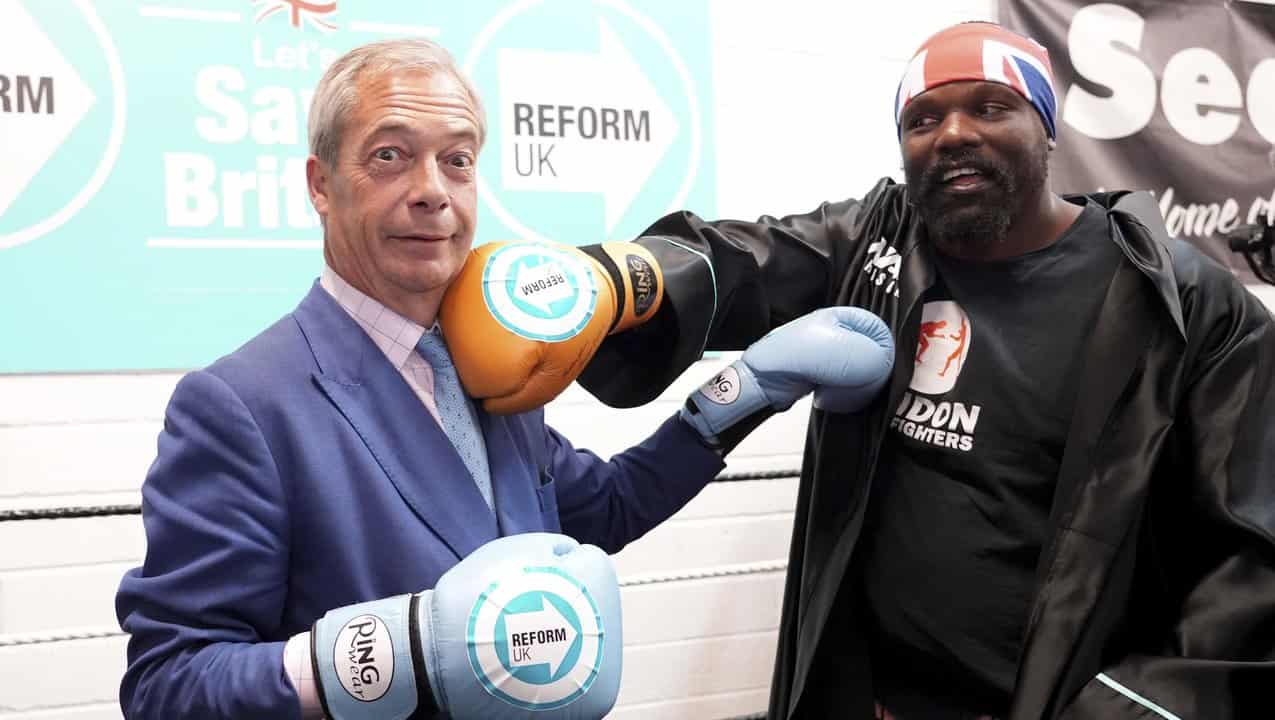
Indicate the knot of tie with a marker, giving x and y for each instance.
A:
(433, 348)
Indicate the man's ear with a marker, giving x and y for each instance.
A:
(316, 179)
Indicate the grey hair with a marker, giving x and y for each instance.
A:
(337, 92)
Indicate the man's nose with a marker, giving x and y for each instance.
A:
(429, 187)
(957, 130)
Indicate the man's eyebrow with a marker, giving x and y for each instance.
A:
(917, 104)
(388, 126)
(999, 89)
(396, 126)
(464, 131)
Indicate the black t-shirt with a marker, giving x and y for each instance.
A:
(960, 509)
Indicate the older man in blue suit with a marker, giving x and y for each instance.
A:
(332, 461)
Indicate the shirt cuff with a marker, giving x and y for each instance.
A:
(300, 671)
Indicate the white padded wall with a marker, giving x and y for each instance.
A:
(802, 97)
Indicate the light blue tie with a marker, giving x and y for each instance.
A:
(460, 420)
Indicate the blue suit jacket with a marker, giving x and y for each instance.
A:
(301, 473)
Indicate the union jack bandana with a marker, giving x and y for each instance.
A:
(981, 51)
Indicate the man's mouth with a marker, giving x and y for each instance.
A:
(951, 175)
(423, 237)
(963, 178)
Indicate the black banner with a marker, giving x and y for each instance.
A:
(1172, 96)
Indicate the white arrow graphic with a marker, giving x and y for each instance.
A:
(538, 637)
(543, 284)
(44, 100)
(579, 86)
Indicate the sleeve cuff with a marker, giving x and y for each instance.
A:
(300, 672)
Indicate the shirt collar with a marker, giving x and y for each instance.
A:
(394, 334)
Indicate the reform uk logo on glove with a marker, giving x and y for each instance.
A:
(535, 640)
(539, 292)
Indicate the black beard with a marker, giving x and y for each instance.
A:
(966, 224)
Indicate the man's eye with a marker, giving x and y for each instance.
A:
(462, 160)
(991, 108)
(387, 154)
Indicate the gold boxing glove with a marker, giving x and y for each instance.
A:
(523, 319)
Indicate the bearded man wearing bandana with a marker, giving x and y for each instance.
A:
(1063, 505)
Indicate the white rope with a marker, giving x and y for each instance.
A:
(15, 640)
(62, 636)
(727, 571)
(134, 507)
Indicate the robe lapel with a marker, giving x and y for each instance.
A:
(1090, 520)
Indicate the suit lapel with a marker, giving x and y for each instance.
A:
(407, 443)
(514, 474)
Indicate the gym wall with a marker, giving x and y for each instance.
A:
(766, 108)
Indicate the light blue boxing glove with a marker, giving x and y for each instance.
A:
(843, 354)
(527, 625)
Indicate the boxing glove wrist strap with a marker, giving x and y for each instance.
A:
(635, 275)
(369, 660)
(727, 407)
(617, 280)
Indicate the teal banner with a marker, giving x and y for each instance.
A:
(153, 206)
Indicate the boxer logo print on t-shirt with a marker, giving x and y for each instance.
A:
(942, 348)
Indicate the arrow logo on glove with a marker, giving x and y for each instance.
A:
(542, 285)
(538, 637)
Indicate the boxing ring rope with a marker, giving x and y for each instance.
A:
(68, 513)
(97, 633)
(90, 511)
(90, 633)
(19, 639)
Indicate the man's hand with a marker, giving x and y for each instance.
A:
(526, 625)
(523, 319)
(843, 354)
